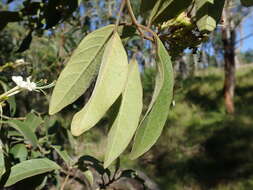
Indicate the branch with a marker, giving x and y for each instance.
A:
(139, 26)
(15, 118)
(123, 2)
(65, 181)
(244, 38)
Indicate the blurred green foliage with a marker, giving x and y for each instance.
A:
(201, 147)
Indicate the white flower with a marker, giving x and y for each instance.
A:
(24, 84)
(20, 61)
(18, 80)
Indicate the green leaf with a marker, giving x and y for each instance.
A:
(2, 163)
(36, 154)
(71, 139)
(89, 176)
(33, 121)
(64, 155)
(81, 69)
(12, 104)
(110, 83)
(126, 123)
(136, 5)
(147, 5)
(30, 168)
(153, 122)
(169, 9)
(247, 3)
(25, 43)
(11, 100)
(24, 130)
(155, 10)
(208, 14)
(19, 151)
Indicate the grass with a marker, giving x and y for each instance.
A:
(201, 147)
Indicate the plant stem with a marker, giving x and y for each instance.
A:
(139, 26)
(15, 118)
(65, 181)
(6, 94)
(122, 5)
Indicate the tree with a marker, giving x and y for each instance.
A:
(228, 38)
(101, 58)
(230, 23)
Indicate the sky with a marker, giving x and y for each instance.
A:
(247, 30)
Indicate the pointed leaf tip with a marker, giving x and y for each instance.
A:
(30, 168)
(81, 69)
(154, 120)
(126, 123)
(110, 83)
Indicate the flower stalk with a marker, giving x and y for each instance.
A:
(22, 85)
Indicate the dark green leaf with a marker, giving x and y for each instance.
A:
(24, 130)
(64, 155)
(147, 5)
(30, 168)
(25, 43)
(12, 103)
(33, 121)
(159, 6)
(10, 16)
(247, 3)
(19, 151)
(169, 9)
(56, 11)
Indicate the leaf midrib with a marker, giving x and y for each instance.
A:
(80, 75)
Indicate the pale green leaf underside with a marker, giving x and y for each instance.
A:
(208, 14)
(206, 23)
(126, 123)
(89, 176)
(151, 126)
(80, 70)
(30, 168)
(110, 83)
